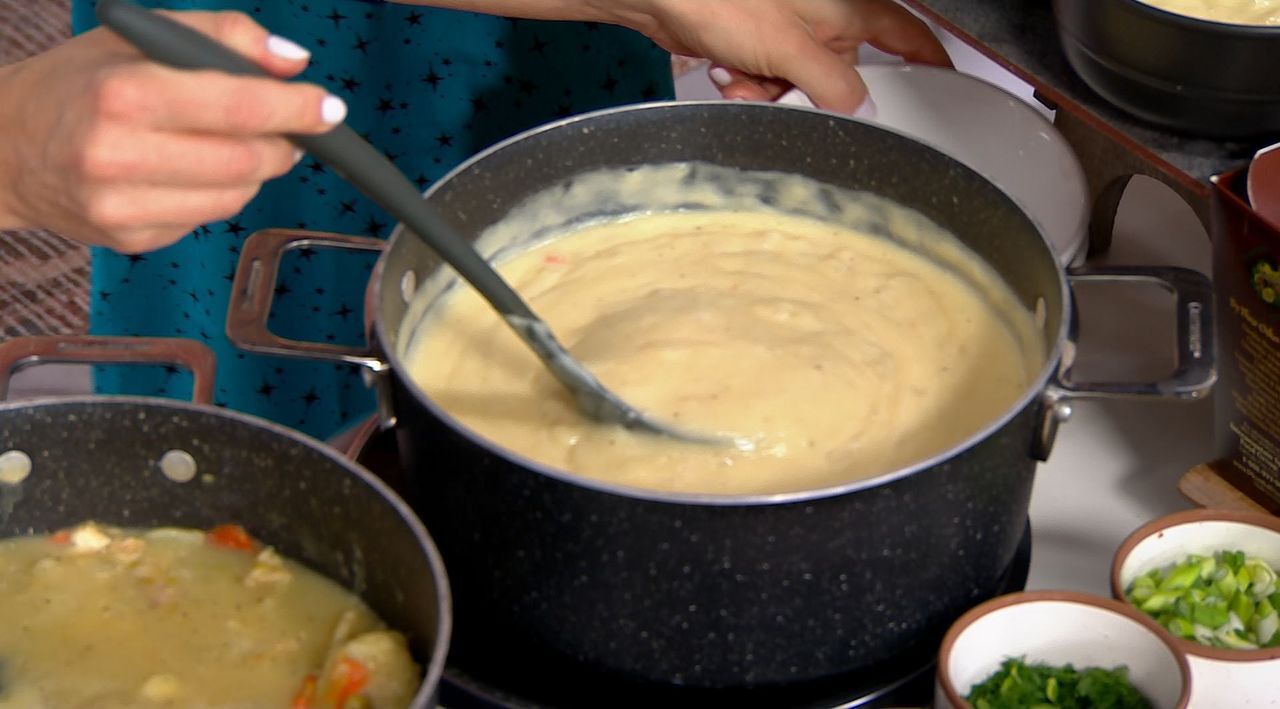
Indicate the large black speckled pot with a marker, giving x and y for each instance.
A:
(555, 574)
(1195, 76)
(98, 459)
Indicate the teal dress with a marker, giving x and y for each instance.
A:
(429, 87)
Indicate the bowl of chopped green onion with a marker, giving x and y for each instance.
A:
(1059, 649)
(1209, 578)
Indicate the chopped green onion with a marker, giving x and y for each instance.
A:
(1180, 627)
(1226, 585)
(1211, 613)
(1226, 600)
(1018, 685)
(1263, 577)
(1266, 630)
(1233, 640)
(1243, 608)
(1181, 577)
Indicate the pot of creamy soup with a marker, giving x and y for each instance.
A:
(889, 329)
(1203, 67)
(162, 553)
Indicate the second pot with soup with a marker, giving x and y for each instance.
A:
(552, 570)
(141, 463)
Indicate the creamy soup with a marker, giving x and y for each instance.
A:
(102, 617)
(1236, 12)
(841, 354)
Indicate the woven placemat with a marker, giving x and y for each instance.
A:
(44, 278)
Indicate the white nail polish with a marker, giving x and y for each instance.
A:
(333, 110)
(286, 49)
(720, 76)
(795, 97)
(867, 110)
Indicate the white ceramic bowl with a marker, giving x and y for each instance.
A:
(1223, 678)
(991, 131)
(1060, 627)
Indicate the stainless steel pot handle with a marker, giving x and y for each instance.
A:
(254, 288)
(21, 352)
(1195, 363)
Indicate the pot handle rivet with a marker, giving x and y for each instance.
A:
(179, 466)
(15, 466)
(1062, 411)
(408, 286)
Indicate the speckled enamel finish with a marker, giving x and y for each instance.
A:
(97, 459)
(550, 572)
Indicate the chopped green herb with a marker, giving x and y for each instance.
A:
(1018, 685)
(1226, 600)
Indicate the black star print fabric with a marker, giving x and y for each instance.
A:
(429, 87)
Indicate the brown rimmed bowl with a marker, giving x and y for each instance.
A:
(1061, 627)
(1169, 539)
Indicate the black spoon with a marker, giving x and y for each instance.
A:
(358, 162)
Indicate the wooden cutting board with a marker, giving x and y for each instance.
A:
(1203, 486)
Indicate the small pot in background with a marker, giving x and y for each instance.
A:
(108, 459)
(1190, 75)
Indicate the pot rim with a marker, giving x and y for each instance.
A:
(1177, 519)
(1078, 597)
(1035, 390)
(444, 604)
(1223, 30)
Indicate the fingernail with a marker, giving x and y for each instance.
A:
(298, 154)
(795, 97)
(286, 49)
(333, 110)
(720, 76)
(867, 110)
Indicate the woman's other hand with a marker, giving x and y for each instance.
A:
(761, 48)
(108, 148)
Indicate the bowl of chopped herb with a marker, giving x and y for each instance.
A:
(1209, 578)
(1059, 649)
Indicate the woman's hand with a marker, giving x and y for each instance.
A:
(103, 146)
(763, 47)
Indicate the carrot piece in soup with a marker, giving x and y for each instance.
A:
(232, 536)
(306, 694)
(351, 677)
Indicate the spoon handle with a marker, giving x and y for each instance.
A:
(351, 156)
(354, 159)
